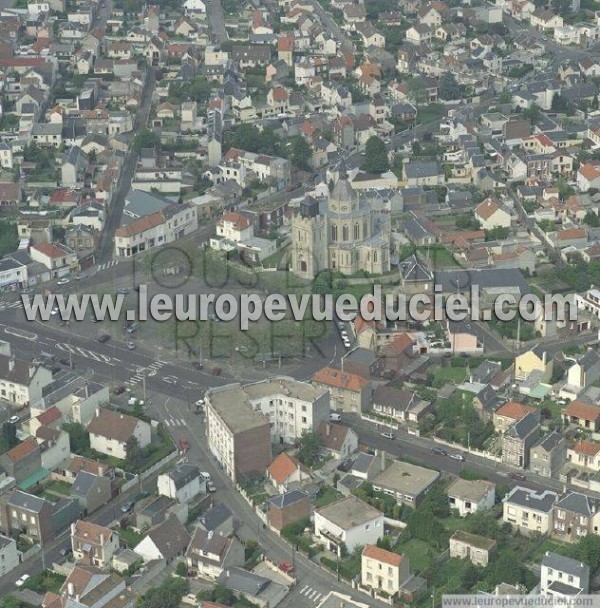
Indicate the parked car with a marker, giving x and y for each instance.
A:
(286, 567)
(130, 345)
(123, 291)
(127, 507)
(388, 435)
(22, 580)
(14, 420)
(457, 457)
(118, 390)
(197, 365)
(103, 338)
(439, 451)
(66, 551)
(517, 476)
(210, 487)
(63, 282)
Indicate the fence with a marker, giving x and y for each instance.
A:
(160, 464)
(473, 451)
(374, 420)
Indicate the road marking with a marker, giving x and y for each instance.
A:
(20, 333)
(88, 354)
(170, 379)
(304, 589)
(148, 371)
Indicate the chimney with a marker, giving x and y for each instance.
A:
(11, 364)
(97, 412)
(70, 590)
(102, 539)
(210, 534)
(32, 369)
(73, 528)
(328, 427)
(382, 461)
(527, 497)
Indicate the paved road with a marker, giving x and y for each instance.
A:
(106, 247)
(216, 20)
(332, 27)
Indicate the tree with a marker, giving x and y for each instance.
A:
(9, 436)
(133, 450)
(505, 96)
(168, 595)
(588, 550)
(78, 437)
(181, 569)
(299, 152)
(309, 448)
(591, 219)
(497, 234)
(376, 156)
(449, 88)
(533, 113)
(466, 221)
(146, 139)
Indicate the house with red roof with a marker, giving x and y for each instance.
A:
(584, 415)
(509, 413)
(382, 570)
(287, 473)
(23, 460)
(349, 392)
(59, 259)
(585, 454)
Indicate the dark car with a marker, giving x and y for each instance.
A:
(517, 476)
(127, 507)
(439, 451)
(103, 338)
(66, 551)
(197, 365)
(345, 465)
(118, 390)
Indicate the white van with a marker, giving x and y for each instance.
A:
(334, 417)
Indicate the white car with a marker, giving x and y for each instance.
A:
(54, 311)
(130, 345)
(14, 420)
(22, 580)
(457, 457)
(63, 282)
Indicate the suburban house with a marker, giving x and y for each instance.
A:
(288, 508)
(286, 472)
(208, 554)
(30, 516)
(518, 440)
(575, 516)
(563, 576)
(166, 541)
(400, 404)
(490, 214)
(93, 491)
(528, 510)
(22, 461)
(470, 496)
(338, 440)
(406, 482)
(183, 483)
(350, 522)
(548, 455)
(21, 381)
(349, 392)
(536, 359)
(218, 519)
(111, 432)
(383, 570)
(585, 454)
(92, 544)
(583, 415)
(585, 371)
(477, 549)
(59, 259)
(10, 558)
(509, 413)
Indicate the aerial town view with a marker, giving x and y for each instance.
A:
(299, 303)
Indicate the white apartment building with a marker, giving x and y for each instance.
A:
(293, 407)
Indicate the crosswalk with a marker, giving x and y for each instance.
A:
(88, 354)
(172, 421)
(149, 371)
(7, 305)
(107, 265)
(311, 594)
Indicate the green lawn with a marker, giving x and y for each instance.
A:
(44, 582)
(565, 549)
(129, 536)
(58, 487)
(419, 553)
(440, 257)
(326, 496)
(449, 375)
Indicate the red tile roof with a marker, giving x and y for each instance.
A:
(584, 411)
(588, 448)
(515, 410)
(282, 467)
(381, 555)
(331, 376)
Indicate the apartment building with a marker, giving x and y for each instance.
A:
(238, 436)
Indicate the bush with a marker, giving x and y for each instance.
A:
(181, 569)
